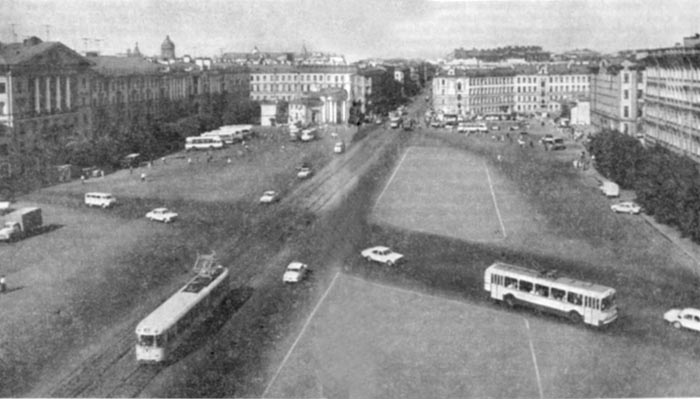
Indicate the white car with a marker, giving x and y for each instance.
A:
(308, 134)
(161, 215)
(626, 207)
(339, 147)
(686, 318)
(296, 271)
(382, 255)
(269, 197)
(304, 172)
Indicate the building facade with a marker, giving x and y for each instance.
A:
(525, 89)
(672, 100)
(616, 93)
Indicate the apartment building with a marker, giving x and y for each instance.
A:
(672, 99)
(617, 90)
(523, 89)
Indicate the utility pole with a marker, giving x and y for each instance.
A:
(48, 32)
(85, 43)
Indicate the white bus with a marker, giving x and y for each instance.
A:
(239, 132)
(162, 331)
(578, 300)
(203, 143)
(226, 137)
(467, 127)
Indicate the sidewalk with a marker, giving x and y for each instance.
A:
(592, 178)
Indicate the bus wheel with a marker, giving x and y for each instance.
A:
(509, 301)
(575, 317)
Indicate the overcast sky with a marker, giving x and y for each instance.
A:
(355, 28)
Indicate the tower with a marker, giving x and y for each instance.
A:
(167, 49)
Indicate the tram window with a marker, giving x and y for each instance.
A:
(541, 290)
(146, 340)
(574, 298)
(525, 286)
(511, 282)
(558, 294)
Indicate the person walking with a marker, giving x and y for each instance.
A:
(143, 177)
(82, 179)
(3, 284)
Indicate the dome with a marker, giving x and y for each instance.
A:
(167, 43)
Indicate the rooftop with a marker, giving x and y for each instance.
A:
(120, 66)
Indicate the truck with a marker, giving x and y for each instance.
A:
(21, 223)
(610, 189)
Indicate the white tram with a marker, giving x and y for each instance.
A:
(163, 330)
(580, 301)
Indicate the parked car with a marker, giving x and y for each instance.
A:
(269, 197)
(514, 128)
(339, 147)
(304, 172)
(382, 254)
(687, 318)
(295, 272)
(161, 215)
(308, 134)
(626, 207)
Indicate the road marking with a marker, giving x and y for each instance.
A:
(390, 179)
(301, 333)
(534, 359)
(493, 196)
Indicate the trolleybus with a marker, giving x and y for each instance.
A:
(163, 330)
(578, 300)
(203, 143)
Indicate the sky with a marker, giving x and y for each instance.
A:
(355, 28)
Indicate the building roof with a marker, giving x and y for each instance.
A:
(679, 61)
(302, 69)
(18, 53)
(121, 66)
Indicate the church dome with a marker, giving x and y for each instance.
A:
(167, 44)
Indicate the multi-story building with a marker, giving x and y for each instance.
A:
(672, 99)
(616, 94)
(292, 82)
(44, 97)
(524, 89)
(366, 84)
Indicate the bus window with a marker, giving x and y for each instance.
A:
(525, 286)
(558, 294)
(160, 340)
(541, 290)
(511, 283)
(574, 298)
(146, 340)
(495, 278)
(607, 302)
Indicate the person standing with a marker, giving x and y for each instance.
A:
(143, 177)
(3, 284)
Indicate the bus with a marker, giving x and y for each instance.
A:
(239, 132)
(579, 301)
(226, 137)
(472, 127)
(160, 333)
(203, 143)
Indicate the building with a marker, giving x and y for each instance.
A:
(167, 49)
(616, 96)
(672, 99)
(44, 99)
(522, 89)
(292, 82)
(581, 113)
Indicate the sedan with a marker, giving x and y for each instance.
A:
(304, 173)
(687, 318)
(161, 215)
(382, 255)
(626, 207)
(296, 271)
(269, 196)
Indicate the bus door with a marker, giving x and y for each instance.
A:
(589, 306)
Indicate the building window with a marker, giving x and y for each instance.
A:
(626, 94)
(2, 108)
(626, 112)
(626, 77)
(2, 88)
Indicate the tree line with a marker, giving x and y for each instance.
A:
(667, 184)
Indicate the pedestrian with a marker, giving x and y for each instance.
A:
(3, 284)
(131, 170)
(228, 160)
(532, 145)
(143, 177)
(102, 173)
(164, 162)
(82, 179)
(499, 157)
(189, 161)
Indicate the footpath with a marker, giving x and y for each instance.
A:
(592, 178)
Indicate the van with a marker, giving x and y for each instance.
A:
(610, 189)
(103, 200)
